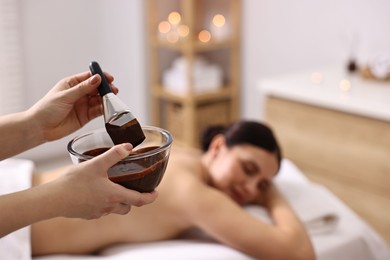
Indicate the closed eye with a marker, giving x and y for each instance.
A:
(249, 168)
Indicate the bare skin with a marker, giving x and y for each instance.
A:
(198, 190)
(68, 106)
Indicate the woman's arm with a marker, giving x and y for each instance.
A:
(83, 191)
(18, 133)
(226, 221)
(25, 207)
(69, 105)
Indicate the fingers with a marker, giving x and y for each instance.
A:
(122, 209)
(78, 78)
(119, 208)
(112, 156)
(84, 88)
(148, 198)
(134, 198)
(139, 199)
(121, 198)
(84, 84)
(95, 108)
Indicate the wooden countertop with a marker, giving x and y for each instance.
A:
(332, 88)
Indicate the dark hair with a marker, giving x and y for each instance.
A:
(244, 132)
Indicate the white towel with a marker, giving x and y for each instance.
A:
(15, 175)
(310, 202)
(205, 76)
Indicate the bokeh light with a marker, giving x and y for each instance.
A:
(345, 85)
(164, 27)
(316, 78)
(174, 18)
(204, 36)
(219, 20)
(183, 30)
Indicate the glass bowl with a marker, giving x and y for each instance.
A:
(142, 170)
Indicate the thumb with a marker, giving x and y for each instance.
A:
(112, 156)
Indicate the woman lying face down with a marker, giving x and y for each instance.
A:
(203, 189)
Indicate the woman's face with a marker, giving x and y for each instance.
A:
(242, 171)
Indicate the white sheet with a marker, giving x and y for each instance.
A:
(15, 175)
(349, 238)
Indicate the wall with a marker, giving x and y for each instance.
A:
(62, 37)
(285, 36)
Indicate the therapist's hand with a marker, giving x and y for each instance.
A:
(69, 105)
(86, 192)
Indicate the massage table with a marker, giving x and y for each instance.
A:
(335, 230)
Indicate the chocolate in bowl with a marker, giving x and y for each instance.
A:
(142, 170)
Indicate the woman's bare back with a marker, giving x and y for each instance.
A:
(161, 220)
(187, 200)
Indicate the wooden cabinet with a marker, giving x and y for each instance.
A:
(339, 137)
(347, 153)
(182, 32)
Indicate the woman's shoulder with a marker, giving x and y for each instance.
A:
(185, 157)
(185, 150)
(184, 166)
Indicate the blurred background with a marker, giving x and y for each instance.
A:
(43, 41)
(57, 38)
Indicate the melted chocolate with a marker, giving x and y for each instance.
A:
(142, 178)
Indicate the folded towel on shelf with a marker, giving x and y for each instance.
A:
(310, 202)
(205, 76)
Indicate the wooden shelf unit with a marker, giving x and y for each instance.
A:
(186, 115)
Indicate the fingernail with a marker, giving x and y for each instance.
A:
(94, 79)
